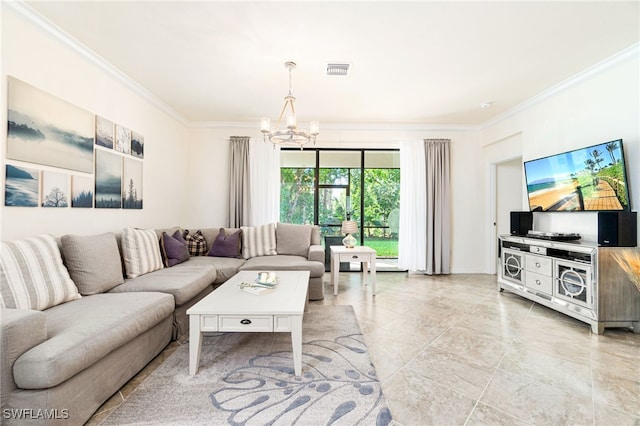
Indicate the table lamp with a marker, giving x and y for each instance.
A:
(349, 227)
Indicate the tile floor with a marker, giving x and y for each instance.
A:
(452, 350)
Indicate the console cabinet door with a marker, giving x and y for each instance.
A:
(513, 265)
(573, 282)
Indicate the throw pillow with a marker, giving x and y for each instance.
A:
(93, 262)
(259, 240)
(293, 239)
(141, 251)
(32, 275)
(174, 249)
(226, 245)
(196, 243)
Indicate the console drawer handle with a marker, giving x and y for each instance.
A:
(354, 256)
(245, 321)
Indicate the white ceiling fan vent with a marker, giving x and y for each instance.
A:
(338, 69)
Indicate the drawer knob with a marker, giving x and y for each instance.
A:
(537, 265)
(538, 282)
(245, 321)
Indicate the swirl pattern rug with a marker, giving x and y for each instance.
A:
(247, 379)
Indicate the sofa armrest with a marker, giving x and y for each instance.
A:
(316, 253)
(22, 329)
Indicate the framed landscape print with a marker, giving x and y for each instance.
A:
(108, 180)
(21, 186)
(104, 132)
(123, 139)
(132, 184)
(81, 191)
(55, 189)
(137, 144)
(43, 129)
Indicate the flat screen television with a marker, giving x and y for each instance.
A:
(587, 179)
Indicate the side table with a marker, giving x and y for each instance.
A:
(363, 254)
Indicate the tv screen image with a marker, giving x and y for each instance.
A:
(587, 179)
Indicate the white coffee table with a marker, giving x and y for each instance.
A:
(363, 254)
(231, 309)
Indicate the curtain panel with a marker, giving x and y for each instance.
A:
(239, 186)
(264, 181)
(412, 229)
(437, 158)
(425, 209)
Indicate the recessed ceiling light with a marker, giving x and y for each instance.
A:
(486, 104)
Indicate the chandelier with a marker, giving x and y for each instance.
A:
(289, 136)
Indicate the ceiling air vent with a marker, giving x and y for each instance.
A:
(341, 69)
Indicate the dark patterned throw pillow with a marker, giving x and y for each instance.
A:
(195, 242)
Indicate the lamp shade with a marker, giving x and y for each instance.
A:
(349, 227)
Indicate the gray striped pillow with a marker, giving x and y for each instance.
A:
(32, 275)
(259, 240)
(141, 251)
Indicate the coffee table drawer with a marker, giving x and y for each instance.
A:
(245, 323)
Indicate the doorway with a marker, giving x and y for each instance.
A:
(508, 190)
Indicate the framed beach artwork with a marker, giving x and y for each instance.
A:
(123, 139)
(55, 189)
(21, 186)
(104, 132)
(81, 191)
(132, 184)
(137, 144)
(46, 130)
(108, 194)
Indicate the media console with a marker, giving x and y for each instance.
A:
(577, 278)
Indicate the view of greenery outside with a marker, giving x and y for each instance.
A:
(296, 195)
(381, 186)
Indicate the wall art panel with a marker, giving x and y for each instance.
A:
(55, 189)
(43, 129)
(108, 180)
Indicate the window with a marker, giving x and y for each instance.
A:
(325, 187)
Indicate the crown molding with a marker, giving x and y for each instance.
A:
(20, 8)
(378, 127)
(599, 67)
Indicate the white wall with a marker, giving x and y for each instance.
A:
(602, 104)
(34, 56)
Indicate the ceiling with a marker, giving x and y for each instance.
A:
(424, 62)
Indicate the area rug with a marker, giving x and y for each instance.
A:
(247, 379)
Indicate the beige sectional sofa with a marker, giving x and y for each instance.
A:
(60, 363)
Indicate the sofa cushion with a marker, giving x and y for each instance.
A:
(226, 267)
(259, 240)
(108, 322)
(140, 251)
(293, 239)
(284, 263)
(226, 245)
(183, 281)
(32, 275)
(196, 243)
(93, 262)
(173, 248)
